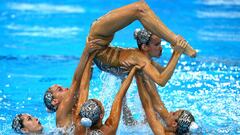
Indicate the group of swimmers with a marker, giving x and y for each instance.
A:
(77, 114)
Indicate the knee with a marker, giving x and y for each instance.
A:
(141, 8)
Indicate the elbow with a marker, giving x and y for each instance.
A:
(162, 83)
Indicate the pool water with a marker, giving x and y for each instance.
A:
(41, 43)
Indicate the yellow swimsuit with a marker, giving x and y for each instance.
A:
(108, 61)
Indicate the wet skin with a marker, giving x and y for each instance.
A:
(31, 124)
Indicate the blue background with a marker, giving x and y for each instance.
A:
(41, 42)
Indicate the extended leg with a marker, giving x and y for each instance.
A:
(105, 27)
(119, 18)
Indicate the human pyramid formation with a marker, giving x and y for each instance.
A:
(76, 114)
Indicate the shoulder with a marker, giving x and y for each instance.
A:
(136, 53)
(139, 56)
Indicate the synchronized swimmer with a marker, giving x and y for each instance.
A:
(77, 114)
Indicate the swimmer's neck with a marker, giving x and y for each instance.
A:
(146, 54)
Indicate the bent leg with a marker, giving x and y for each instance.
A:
(119, 18)
(107, 25)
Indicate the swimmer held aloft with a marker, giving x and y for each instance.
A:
(143, 36)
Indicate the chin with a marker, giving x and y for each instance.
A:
(40, 129)
(158, 56)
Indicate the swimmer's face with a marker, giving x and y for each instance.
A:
(58, 91)
(175, 115)
(174, 118)
(154, 47)
(31, 124)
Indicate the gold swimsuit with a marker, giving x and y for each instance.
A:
(108, 61)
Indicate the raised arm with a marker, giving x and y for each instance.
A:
(115, 114)
(154, 123)
(160, 77)
(157, 103)
(67, 104)
(84, 86)
(82, 96)
(90, 48)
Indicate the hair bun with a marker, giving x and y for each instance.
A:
(142, 36)
(86, 122)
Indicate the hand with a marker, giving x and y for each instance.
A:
(181, 44)
(128, 62)
(94, 45)
(140, 66)
(131, 61)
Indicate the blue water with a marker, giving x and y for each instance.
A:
(41, 42)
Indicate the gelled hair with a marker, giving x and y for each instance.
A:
(17, 124)
(48, 98)
(90, 113)
(142, 36)
(184, 122)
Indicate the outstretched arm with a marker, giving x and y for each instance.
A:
(84, 86)
(115, 114)
(69, 101)
(154, 123)
(160, 77)
(157, 103)
(151, 88)
(82, 96)
(90, 48)
(67, 104)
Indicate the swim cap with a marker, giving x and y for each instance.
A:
(184, 122)
(194, 127)
(86, 122)
(95, 132)
(142, 36)
(17, 123)
(90, 111)
(48, 97)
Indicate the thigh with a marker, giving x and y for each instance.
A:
(115, 20)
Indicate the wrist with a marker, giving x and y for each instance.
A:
(175, 40)
(177, 53)
(86, 52)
